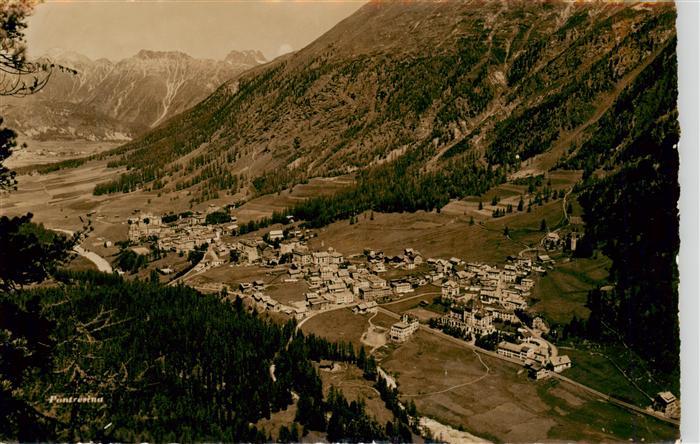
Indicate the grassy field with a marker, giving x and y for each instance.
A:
(52, 151)
(597, 418)
(338, 325)
(412, 300)
(263, 206)
(383, 320)
(562, 179)
(433, 234)
(424, 315)
(602, 369)
(497, 401)
(562, 293)
(237, 274)
(79, 263)
(413, 307)
(524, 227)
(445, 234)
(286, 292)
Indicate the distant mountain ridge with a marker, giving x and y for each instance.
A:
(119, 100)
(248, 57)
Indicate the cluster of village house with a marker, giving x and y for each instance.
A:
(480, 294)
(331, 279)
(183, 235)
(536, 354)
(553, 241)
(481, 297)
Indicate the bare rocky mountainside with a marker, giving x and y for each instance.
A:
(527, 85)
(117, 101)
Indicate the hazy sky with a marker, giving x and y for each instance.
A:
(116, 29)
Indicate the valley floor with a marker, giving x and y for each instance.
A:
(488, 397)
(50, 151)
(455, 385)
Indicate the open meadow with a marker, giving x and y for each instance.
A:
(433, 234)
(412, 300)
(496, 400)
(234, 275)
(338, 325)
(39, 152)
(616, 371)
(459, 229)
(562, 293)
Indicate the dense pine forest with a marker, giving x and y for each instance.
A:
(632, 217)
(401, 186)
(171, 364)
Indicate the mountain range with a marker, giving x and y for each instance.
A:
(109, 100)
(517, 84)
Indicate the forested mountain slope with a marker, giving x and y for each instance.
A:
(631, 214)
(495, 82)
(158, 363)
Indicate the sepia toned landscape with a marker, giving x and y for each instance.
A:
(433, 222)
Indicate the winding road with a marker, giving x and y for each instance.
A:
(564, 221)
(100, 262)
(432, 293)
(272, 366)
(315, 313)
